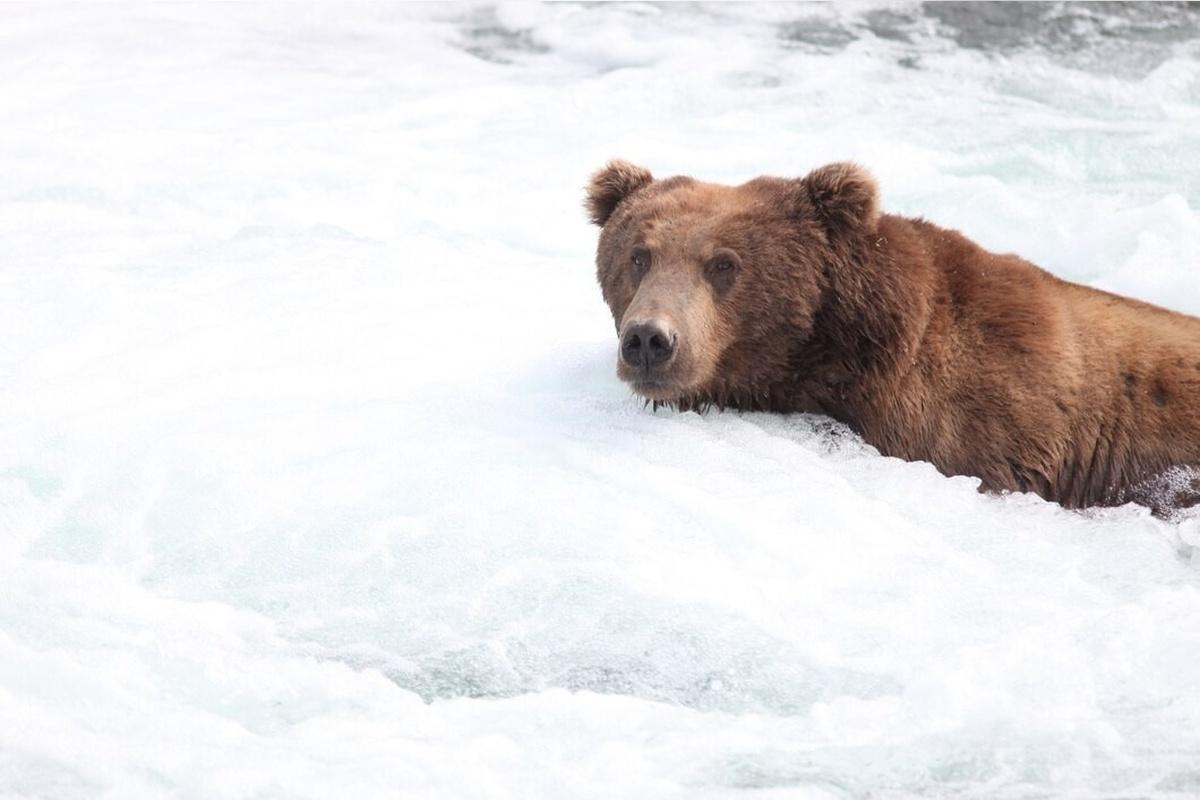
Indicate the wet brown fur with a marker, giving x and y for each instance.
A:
(931, 347)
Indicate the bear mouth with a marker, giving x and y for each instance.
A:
(666, 384)
(658, 390)
(662, 383)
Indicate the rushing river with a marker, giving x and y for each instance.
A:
(316, 480)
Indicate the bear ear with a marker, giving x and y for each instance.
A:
(845, 196)
(612, 184)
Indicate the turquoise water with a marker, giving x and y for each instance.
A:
(316, 479)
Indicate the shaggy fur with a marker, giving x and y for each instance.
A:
(791, 295)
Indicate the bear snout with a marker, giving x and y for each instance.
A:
(646, 346)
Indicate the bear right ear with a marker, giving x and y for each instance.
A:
(612, 184)
(845, 196)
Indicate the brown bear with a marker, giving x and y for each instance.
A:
(798, 295)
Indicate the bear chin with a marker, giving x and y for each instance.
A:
(662, 392)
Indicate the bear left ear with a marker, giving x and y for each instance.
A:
(845, 196)
(612, 184)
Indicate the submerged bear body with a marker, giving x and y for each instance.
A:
(798, 295)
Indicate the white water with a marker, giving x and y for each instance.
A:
(316, 479)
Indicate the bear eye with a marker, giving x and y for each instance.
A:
(722, 261)
(640, 260)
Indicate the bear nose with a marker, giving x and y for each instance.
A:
(647, 345)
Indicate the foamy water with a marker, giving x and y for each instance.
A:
(316, 479)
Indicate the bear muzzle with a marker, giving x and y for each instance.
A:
(652, 359)
(647, 346)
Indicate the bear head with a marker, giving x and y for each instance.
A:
(713, 288)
